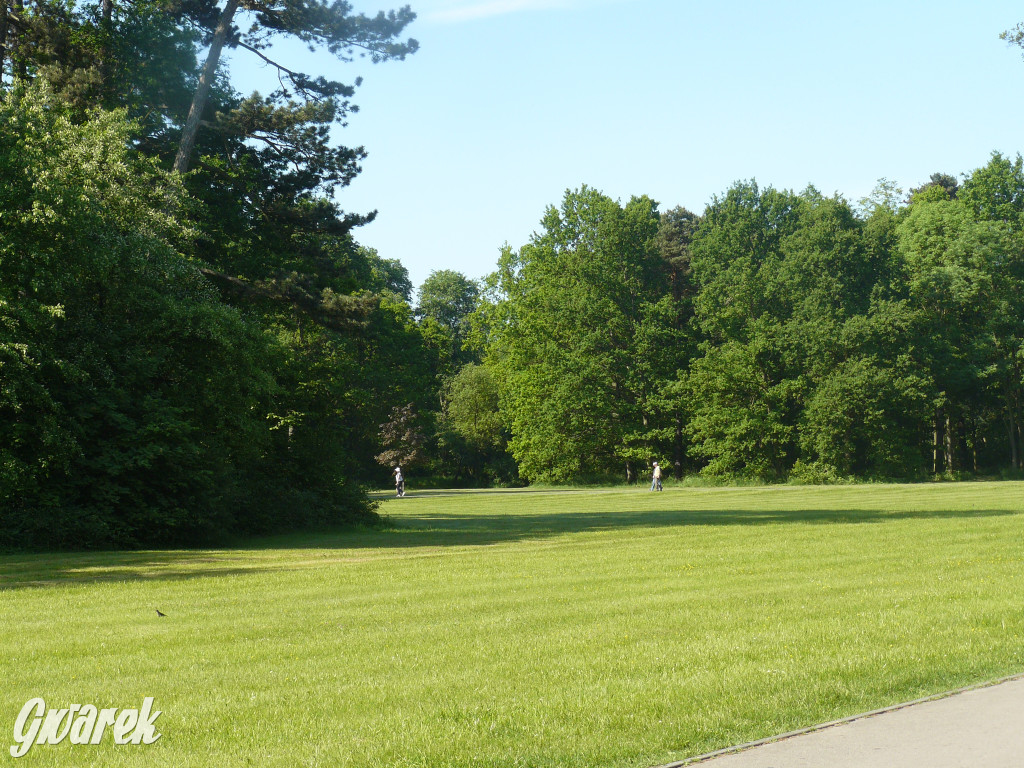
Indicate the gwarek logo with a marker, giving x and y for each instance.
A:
(82, 725)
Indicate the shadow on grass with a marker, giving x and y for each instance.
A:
(40, 570)
(435, 530)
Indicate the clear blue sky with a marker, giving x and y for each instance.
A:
(509, 103)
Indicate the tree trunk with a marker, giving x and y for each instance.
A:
(949, 446)
(1017, 432)
(1011, 428)
(677, 460)
(1011, 431)
(19, 70)
(195, 112)
(107, 26)
(936, 429)
(630, 477)
(974, 442)
(3, 38)
(1017, 444)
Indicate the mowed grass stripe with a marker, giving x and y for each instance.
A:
(617, 628)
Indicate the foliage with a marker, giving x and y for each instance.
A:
(292, 122)
(164, 382)
(265, 303)
(566, 319)
(472, 405)
(866, 419)
(446, 299)
(401, 438)
(472, 441)
(381, 275)
(131, 398)
(778, 332)
(739, 424)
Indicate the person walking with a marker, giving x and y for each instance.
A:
(656, 478)
(399, 482)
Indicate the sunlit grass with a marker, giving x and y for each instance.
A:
(549, 628)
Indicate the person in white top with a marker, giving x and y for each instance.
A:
(656, 478)
(399, 482)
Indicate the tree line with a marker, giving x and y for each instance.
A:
(194, 345)
(775, 336)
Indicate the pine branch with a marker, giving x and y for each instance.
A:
(295, 77)
(333, 311)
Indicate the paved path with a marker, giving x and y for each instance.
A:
(980, 728)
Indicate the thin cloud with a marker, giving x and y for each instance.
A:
(484, 9)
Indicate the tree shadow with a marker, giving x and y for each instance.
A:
(427, 531)
(68, 568)
(457, 529)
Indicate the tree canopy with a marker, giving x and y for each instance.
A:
(194, 345)
(183, 355)
(780, 335)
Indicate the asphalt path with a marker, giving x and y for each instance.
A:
(976, 728)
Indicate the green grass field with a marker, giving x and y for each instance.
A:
(527, 628)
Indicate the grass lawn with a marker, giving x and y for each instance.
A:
(528, 628)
